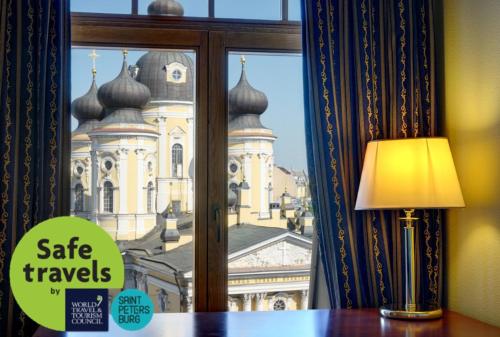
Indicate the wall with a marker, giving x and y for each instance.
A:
(472, 119)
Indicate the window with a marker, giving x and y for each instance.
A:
(108, 197)
(202, 136)
(279, 305)
(108, 164)
(150, 197)
(133, 151)
(177, 160)
(79, 198)
(273, 161)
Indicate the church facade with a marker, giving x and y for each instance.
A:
(132, 174)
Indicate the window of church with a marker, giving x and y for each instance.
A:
(79, 198)
(78, 169)
(108, 197)
(279, 305)
(150, 197)
(107, 164)
(177, 153)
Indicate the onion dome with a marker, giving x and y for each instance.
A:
(87, 107)
(245, 99)
(246, 104)
(168, 75)
(165, 7)
(123, 98)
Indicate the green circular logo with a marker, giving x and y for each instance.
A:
(59, 254)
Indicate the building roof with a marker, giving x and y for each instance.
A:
(123, 98)
(246, 104)
(152, 72)
(87, 107)
(241, 237)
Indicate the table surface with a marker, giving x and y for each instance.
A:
(310, 323)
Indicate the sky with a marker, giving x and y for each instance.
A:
(279, 76)
(243, 9)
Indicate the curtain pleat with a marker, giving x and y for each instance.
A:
(34, 100)
(369, 68)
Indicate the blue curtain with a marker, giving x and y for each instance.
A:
(34, 124)
(370, 73)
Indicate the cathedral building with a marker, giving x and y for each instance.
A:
(132, 174)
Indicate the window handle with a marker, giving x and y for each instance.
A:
(218, 223)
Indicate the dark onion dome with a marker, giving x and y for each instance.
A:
(87, 107)
(245, 99)
(153, 73)
(165, 7)
(246, 104)
(123, 98)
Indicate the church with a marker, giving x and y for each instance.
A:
(132, 174)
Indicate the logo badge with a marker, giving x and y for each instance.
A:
(87, 310)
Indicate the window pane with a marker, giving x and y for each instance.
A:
(244, 9)
(100, 6)
(132, 163)
(196, 8)
(269, 216)
(294, 10)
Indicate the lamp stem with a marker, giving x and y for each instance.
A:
(410, 274)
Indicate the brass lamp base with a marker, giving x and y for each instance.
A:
(420, 312)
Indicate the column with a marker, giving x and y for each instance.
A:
(190, 140)
(304, 303)
(247, 302)
(162, 160)
(264, 203)
(94, 195)
(122, 170)
(247, 174)
(162, 147)
(140, 180)
(190, 144)
(123, 181)
(260, 301)
(72, 199)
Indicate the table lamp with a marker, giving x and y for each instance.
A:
(409, 174)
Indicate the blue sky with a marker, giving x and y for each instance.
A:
(278, 75)
(244, 9)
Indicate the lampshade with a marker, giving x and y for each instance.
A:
(409, 173)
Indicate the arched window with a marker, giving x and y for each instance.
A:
(150, 197)
(108, 197)
(78, 198)
(177, 160)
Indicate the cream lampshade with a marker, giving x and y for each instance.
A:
(408, 174)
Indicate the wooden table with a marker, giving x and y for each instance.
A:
(311, 323)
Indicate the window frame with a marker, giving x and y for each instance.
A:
(212, 40)
(177, 153)
(108, 192)
(150, 197)
(79, 203)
